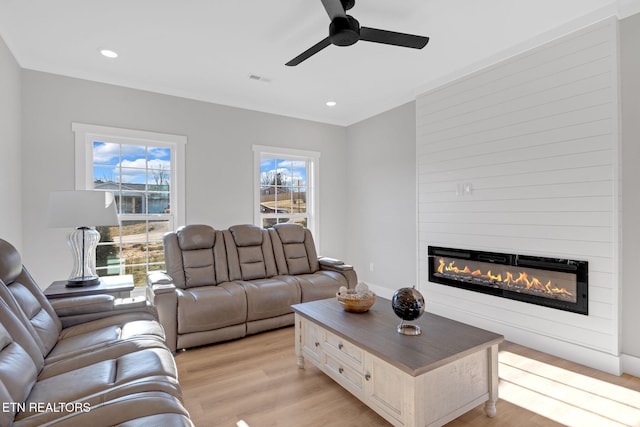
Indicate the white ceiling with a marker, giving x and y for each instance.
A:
(207, 49)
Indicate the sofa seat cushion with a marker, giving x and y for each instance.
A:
(80, 410)
(271, 297)
(137, 409)
(320, 285)
(149, 369)
(106, 332)
(211, 307)
(165, 420)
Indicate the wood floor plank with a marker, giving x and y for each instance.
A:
(255, 379)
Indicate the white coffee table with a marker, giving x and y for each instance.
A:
(424, 380)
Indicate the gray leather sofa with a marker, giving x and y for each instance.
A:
(103, 363)
(225, 284)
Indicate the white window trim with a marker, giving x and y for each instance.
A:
(85, 134)
(313, 184)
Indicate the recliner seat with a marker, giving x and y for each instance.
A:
(208, 306)
(253, 266)
(31, 306)
(100, 365)
(26, 379)
(295, 254)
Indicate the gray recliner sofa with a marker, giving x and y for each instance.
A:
(104, 364)
(224, 284)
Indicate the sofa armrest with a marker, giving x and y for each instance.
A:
(333, 264)
(329, 261)
(159, 278)
(77, 310)
(338, 266)
(83, 305)
(162, 293)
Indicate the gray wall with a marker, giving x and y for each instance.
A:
(382, 199)
(630, 94)
(10, 153)
(219, 158)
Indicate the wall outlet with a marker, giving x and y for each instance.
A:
(371, 267)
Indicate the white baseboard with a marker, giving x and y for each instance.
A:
(630, 364)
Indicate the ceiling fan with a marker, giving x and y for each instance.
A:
(345, 30)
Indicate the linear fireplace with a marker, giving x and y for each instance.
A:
(551, 282)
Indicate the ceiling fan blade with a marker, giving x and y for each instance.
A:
(391, 37)
(309, 52)
(334, 8)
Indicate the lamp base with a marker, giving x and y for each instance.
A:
(80, 282)
(83, 242)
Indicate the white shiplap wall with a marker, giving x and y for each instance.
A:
(536, 137)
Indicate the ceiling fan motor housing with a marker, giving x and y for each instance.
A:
(344, 31)
(347, 4)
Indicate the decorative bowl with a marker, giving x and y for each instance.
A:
(355, 303)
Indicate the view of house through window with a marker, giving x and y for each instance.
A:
(286, 187)
(140, 176)
(283, 191)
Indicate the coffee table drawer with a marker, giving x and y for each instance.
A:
(343, 350)
(345, 375)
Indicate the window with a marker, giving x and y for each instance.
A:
(286, 187)
(144, 171)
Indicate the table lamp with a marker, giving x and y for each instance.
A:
(84, 210)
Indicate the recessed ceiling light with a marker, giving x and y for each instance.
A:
(108, 53)
(331, 103)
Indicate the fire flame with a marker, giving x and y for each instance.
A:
(522, 280)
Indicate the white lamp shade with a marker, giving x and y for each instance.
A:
(82, 209)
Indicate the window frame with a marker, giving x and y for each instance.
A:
(87, 134)
(313, 183)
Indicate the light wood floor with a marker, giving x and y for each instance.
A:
(256, 380)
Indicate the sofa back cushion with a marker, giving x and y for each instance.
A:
(17, 376)
(249, 253)
(294, 249)
(42, 322)
(21, 361)
(10, 262)
(195, 256)
(27, 300)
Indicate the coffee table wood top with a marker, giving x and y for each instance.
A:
(441, 342)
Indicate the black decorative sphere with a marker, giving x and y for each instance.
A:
(407, 303)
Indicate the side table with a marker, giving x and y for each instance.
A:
(118, 286)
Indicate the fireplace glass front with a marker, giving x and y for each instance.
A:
(552, 282)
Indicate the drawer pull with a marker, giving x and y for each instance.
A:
(367, 376)
(340, 346)
(340, 370)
